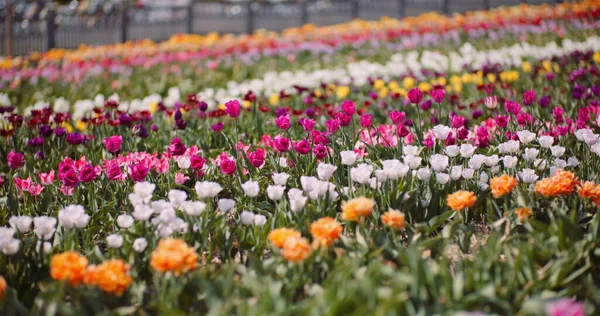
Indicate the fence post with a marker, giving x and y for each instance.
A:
(189, 27)
(8, 29)
(124, 21)
(446, 8)
(303, 12)
(401, 8)
(50, 29)
(486, 4)
(355, 9)
(250, 18)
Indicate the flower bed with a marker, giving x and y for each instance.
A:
(401, 179)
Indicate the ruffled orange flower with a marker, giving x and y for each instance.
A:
(111, 276)
(3, 287)
(70, 266)
(562, 183)
(354, 209)
(173, 255)
(296, 249)
(325, 231)
(523, 213)
(502, 185)
(589, 190)
(278, 236)
(461, 199)
(393, 219)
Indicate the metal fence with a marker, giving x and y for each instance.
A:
(60, 30)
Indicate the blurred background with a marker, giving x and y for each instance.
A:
(40, 25)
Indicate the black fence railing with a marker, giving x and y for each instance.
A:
(56, 29)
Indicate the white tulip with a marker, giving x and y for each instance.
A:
(509, 147)
(298, 203)
(140, 244)
(184, 162)
(280, 178)
(144, 190)
(325, 171)
(247, 218)
(142, 212)
(424, 174)
(413, 162)
(492, 160)
(260, 220)
(21, 223)
(546, 141)
(410, 150)
(530, 154)
(456, 172)
(441, 132)
(124, 221)
(193, 208)
(476, 161)
(114, 241)
(207, 189)
(295, 193)
(349, 157)
(381, 175)
(528, 175)
(438, 162)
(452, 150)
(44, 226)
(468, 173)
(442, 178)
(560, 163)
(136, 200)
(176, 197)
(557, 151)
(275, 192)
(11, 246)
(361, 173)
(573, 162)
(73, 215)
(467, 150)
(509, 161)
(225, 205)
(394, 169)
(526, 136)
(251, 188)
(283, 162)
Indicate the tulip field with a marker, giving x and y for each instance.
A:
(434, 165)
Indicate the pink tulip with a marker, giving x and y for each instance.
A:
(35, 189)
(366, 120)
(348, 107)
(228, 166)
(180, 178)
(67, 191)
(46, 178)
(15, 159)
(22, 184)
(197, 162)
(282, 144)
(438, 95)
(232, 108)
(257, 158)
(302, 147)
(397, 116)
(283, 122)
(177, 148)
(415, 95)
(333, 126)
(113, 143)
